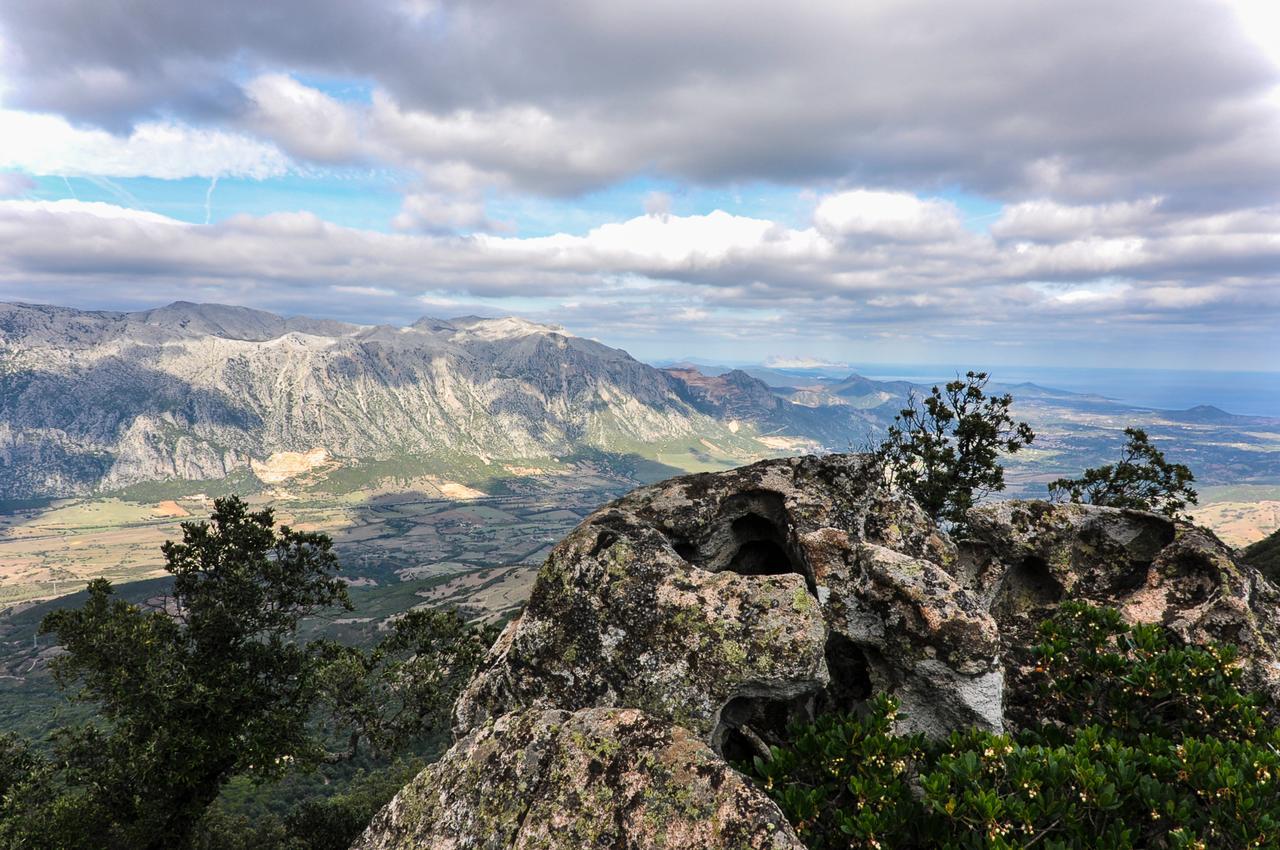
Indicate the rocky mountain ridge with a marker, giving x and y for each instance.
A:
(96, 400)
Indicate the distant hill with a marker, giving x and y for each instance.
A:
(737, 396)
(1207, 414)
(771, 377)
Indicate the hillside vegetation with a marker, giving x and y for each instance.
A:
(1265, 556)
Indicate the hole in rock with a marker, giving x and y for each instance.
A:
(1028, 586)
(761, 547)
(686, 550)
(1155, 534)
(850, 676)
(757, 540)
(750, 725)
(761, 558)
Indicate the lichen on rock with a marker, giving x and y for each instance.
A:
(686, 625)
(688, 596)
(557, 780)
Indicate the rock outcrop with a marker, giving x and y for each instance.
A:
(594, 778)
(1028, 555)
(689, 623)
(721, 600)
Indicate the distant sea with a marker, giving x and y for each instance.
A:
(1246, 393)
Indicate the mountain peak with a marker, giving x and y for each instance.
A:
(505, 327)
(216, 320)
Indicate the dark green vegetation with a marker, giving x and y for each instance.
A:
(946, 451)
(1142, 480)
(1265, 556)
(214, 685)
(1125, 740)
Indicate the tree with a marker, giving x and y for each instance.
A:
(1142, 480)
(214, 684)
(403, 688)
(945, 451)
(210, 685)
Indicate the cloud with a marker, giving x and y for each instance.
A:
(1045, 220)
(14, 183)
(304, 121)
(657, 204)
(47, 144)
(887, 215)
(1013, 100)
(1138, 186)
(434, 212)
(804, 362)
(728, 275)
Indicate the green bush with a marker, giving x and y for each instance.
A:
(1140, 743)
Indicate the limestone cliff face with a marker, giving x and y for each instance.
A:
(95, 400)
(686, 624)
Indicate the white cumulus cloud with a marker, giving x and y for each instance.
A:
(887, 215)
(48, 144)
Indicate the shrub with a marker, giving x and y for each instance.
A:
(1142, 480)
(945, 451)
(1140, 743)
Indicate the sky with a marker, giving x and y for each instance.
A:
(1032, 182)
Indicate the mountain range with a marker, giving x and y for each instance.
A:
(96, 400)
(99, 401)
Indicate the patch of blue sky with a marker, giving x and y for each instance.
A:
(367, 200)
(537, 216)
(785, 204)
(977, 212)
(344, 89)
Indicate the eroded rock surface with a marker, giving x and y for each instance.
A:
(687, 624)
(613, 778)
(1027, 556)
(721, 600)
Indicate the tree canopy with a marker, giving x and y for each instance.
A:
(945, 450)
(1142, 480)
(213, 683)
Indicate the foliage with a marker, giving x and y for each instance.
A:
(1142, 480)
(213, 684)
(1265, 556)
(1093, 668)
(400, 691)
(1140, 743)
(946, 451)
(314, 823)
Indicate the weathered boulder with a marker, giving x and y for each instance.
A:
(1027, 556)
(725, 601)
(687, 624)
(613, 778)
